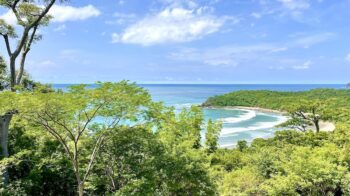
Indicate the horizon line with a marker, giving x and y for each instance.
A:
(188, 83)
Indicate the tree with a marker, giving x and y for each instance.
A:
(212, 136)
(181, 136)
(297, 122)
(30, 17)
(241, 182)
(131, 162)
(7, 110)
(4, 80)
(70, 117)
(310, 171)
(242, 145)
(306, 113)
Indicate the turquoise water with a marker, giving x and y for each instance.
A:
(237, 124)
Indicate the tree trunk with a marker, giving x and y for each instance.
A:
(13, 72)
(317, 125)
(4, 128)
(81, 188)
(21, 69)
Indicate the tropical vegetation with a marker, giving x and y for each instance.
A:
(112, 139)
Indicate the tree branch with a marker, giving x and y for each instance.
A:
(54, 133)
(7, 42)
(14, 10)
(93, 156)
(43, 14)
(61, 124)
(30, 26)
(26, 49)
(89, 119)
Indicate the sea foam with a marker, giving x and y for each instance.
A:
(246, 116)
(227, 132)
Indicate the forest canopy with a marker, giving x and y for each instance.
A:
(113, 139)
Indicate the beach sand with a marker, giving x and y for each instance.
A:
(325, 126)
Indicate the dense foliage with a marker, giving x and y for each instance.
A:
(334, 100)
(112, 139)
(292, 162)
(152, 150)
(149, 149)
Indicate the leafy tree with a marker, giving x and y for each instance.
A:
(242, 145)
(182, 130)
(71, 116)
(306, 171)
(181, 136)
(30, 17)
(212, 136)
(129, 162)
(334, 101)
(7, 109)
(296, 122)
(3, 74)
(307, 113)
(241, 182)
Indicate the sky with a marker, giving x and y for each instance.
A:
(193, 41)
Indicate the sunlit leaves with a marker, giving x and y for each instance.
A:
(6, 29)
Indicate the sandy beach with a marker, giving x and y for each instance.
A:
(324, 126)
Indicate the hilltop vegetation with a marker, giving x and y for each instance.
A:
(292, 162)
(111, 139)
(55, 148)
(114, 140)
(336, 101)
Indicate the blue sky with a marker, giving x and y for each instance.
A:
(198, 41)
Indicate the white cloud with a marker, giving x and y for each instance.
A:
(295, 4)
(171, 25)
(269, 54)
(227, 56)
(9, 18)
(347, 58)
(180, 3)
(305, 65)
(69, 13)
(311, 40)
(294, 9)
(60, 14)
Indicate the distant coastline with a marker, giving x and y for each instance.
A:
(324, 125)
(257, 109)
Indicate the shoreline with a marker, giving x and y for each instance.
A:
(258, 109)
(325, 126)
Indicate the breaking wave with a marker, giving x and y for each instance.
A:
(225, 132)
(246, 116)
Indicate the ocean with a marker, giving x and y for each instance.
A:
(237, 124)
